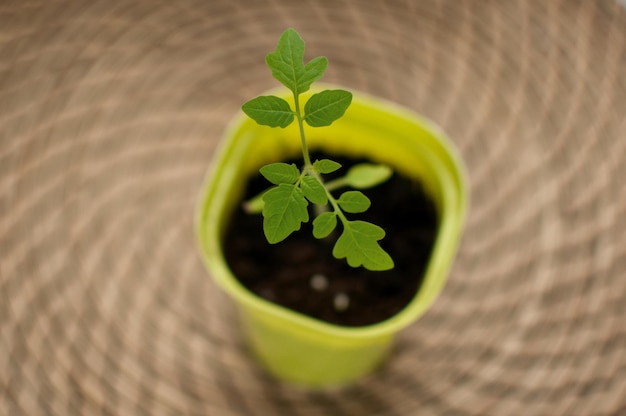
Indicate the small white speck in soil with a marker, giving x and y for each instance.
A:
(319, 282)
(341, 302)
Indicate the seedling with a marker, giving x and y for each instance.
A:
(285, 205)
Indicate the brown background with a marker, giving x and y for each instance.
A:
(110, 113)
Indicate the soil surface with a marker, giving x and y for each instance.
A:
(301, 274)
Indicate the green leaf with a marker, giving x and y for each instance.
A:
(278, 173)
(314, 190)
(366, 175)
(284, 210)
(324, 224)
(313, 71)
(354, 202)
(358, 244)
(287, 63)
(326, 166)
(325, 107)
(269, 111)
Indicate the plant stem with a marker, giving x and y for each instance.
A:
(336, 184)
(335, 206)
(305, 149)
(308, 166)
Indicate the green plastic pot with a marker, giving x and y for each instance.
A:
(291, 346)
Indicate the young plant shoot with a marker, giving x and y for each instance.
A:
(285, 205)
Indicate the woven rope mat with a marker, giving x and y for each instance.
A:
(111, 111)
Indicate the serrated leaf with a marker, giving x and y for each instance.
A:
(287, 63)
(358, 244)
(313, 71)
(326, 166)
(278, 173)
(354, 202)
(314, 190)
(366, 175)
(323, 108)
(324, 224)
(269, 111)
(284, 210)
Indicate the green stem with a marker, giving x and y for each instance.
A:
(334, 204)
(336, 184)
(308, 166)
(305, 149)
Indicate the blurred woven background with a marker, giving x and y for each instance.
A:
(110, 113)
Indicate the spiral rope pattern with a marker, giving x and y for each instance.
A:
(111, 111)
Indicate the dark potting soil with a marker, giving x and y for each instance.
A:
(282, 273)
